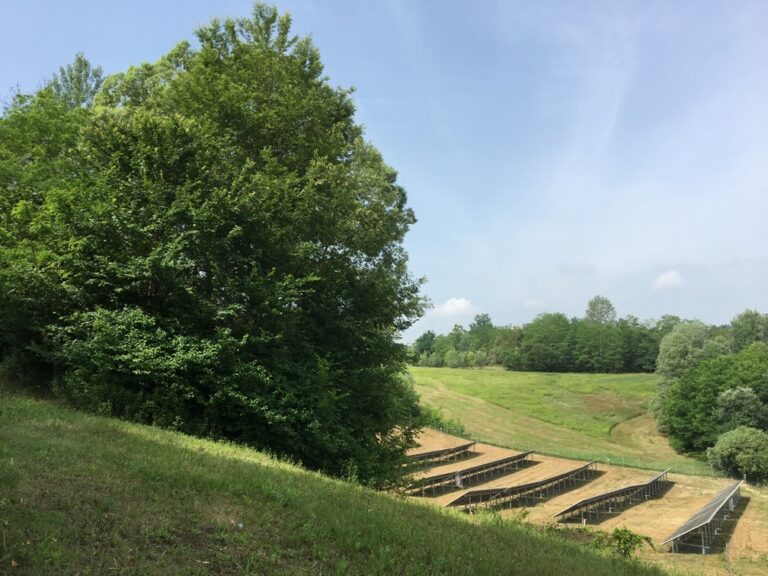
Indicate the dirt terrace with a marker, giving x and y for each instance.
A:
(656, 518)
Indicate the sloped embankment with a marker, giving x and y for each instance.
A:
(89, 495)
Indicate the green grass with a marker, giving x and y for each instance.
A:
(84, 495)
(586, 416)
(588, 403)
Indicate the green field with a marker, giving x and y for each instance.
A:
(586, 416)
(89, 495)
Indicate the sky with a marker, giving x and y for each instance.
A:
(552, 150)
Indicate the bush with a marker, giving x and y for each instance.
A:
(434, 418)
(742, 451)
(625, 542)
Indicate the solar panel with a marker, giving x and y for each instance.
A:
(439, 453)
(497, 493)
(606, 495)
(474, 469)
(707, 513)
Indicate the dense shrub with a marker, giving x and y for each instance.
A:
(742, 451)
(695, 403)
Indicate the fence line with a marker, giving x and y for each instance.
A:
(692, 468)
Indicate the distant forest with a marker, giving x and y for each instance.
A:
(598, 342)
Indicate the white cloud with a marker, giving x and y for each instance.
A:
(533, 303)
(669, 280)
(454, 307)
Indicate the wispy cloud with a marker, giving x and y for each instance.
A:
(533, 303)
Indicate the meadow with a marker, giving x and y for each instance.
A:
(601, 417)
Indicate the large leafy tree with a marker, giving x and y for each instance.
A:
(749, 326)
(706, 400)
(600, 310)
(545, 344)
(682, 349)
(76, 84)
(596, 347)
(213, 246)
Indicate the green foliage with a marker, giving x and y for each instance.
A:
(749, 326)
(453, 359)
(78, 83)
(640, 344)
(424, 343)
(695, 402)
(740, 407)
(545, 344)
(687, 344)
(683, 348)
(624, 542)
(600, 310)
(597, 346)
(551, 342)
(481, 332)
(434, 418)
(743, 450)
(213, 246)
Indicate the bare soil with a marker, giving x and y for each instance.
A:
(430, 440)
(484, 454)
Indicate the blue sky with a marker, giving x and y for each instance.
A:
(552, 151)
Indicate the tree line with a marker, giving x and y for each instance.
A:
(712, 397)
(598, 342)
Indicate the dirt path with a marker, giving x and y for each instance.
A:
(430, 440)
(641, 438)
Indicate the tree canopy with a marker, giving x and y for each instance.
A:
(600, 310)
(209, 243)
(550, 342)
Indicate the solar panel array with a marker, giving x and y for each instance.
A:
(706, 524)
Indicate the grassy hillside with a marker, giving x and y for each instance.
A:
(88, 495)
(588, 416)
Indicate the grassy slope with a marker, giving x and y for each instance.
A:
(87, 495)
(586, 416)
